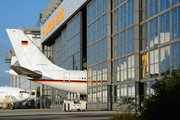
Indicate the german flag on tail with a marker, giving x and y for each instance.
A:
(24, 43)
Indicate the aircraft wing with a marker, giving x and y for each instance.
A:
(12, 72)
(26, 72)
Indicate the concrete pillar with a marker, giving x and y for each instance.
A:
(109, 54)
(136, 49)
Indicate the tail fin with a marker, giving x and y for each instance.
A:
(28, 54)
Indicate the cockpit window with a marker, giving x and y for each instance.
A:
(22, 92)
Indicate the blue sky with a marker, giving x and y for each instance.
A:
(13, 14)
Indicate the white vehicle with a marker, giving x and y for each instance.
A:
(77, 105)
(36, 67)
(11, 95)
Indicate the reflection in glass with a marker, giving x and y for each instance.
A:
(130, 12)
(153, 7)
(152, 90)
(146, 88)
(89, 13)
(165, 59)
(123, 16)
(123, 69)
(154, 32)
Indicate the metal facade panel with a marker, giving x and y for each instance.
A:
(70, 6)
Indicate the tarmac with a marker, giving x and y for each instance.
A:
(53, 114)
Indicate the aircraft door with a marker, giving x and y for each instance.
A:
(66, 77)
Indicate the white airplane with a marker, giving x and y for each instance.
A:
(11, 95)
(36, 67)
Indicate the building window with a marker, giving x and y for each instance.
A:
(75, 24)
(131, 72)
(165, 59)
(131, 92)
(89, 56)
(154, 66)
(152, 90)
(123, 1)
(131, 40)
(94, 75)
(69, 44)
(89, 13)
(89, 34)
(72, 45)
(71, 30)
(74, 62)
(94, 53)
(176, 56)
(104, 6)
(175, 2)
(123, 16)
(164, 4)
(144, 36)
(153, 7)
(90, 95)
(68, 31)
(104, 49)
(144, 66)
(99, 51)
(78, 42)
(144, 10)
(116, 21)
(94, 10)
(99, 28)
(123, 69)
(78, 23)
(130, 12)
(104, 25)
(64, 52)
(104, 94)
(98, 8)
(99, 80)
(164, 28)
(123, 43)
(175, 23)
(116, 68)
(123, 95)
(94, 32)
(99, 91)
(104, 72)
(154, 32)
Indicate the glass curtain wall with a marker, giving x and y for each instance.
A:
(159, 39)
(67, 53)
(123, 70)
(73, 43)
(97, 51)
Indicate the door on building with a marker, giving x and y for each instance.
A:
(66, 77)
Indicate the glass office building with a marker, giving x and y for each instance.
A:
(123, 44)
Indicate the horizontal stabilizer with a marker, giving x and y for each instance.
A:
(26, 72)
